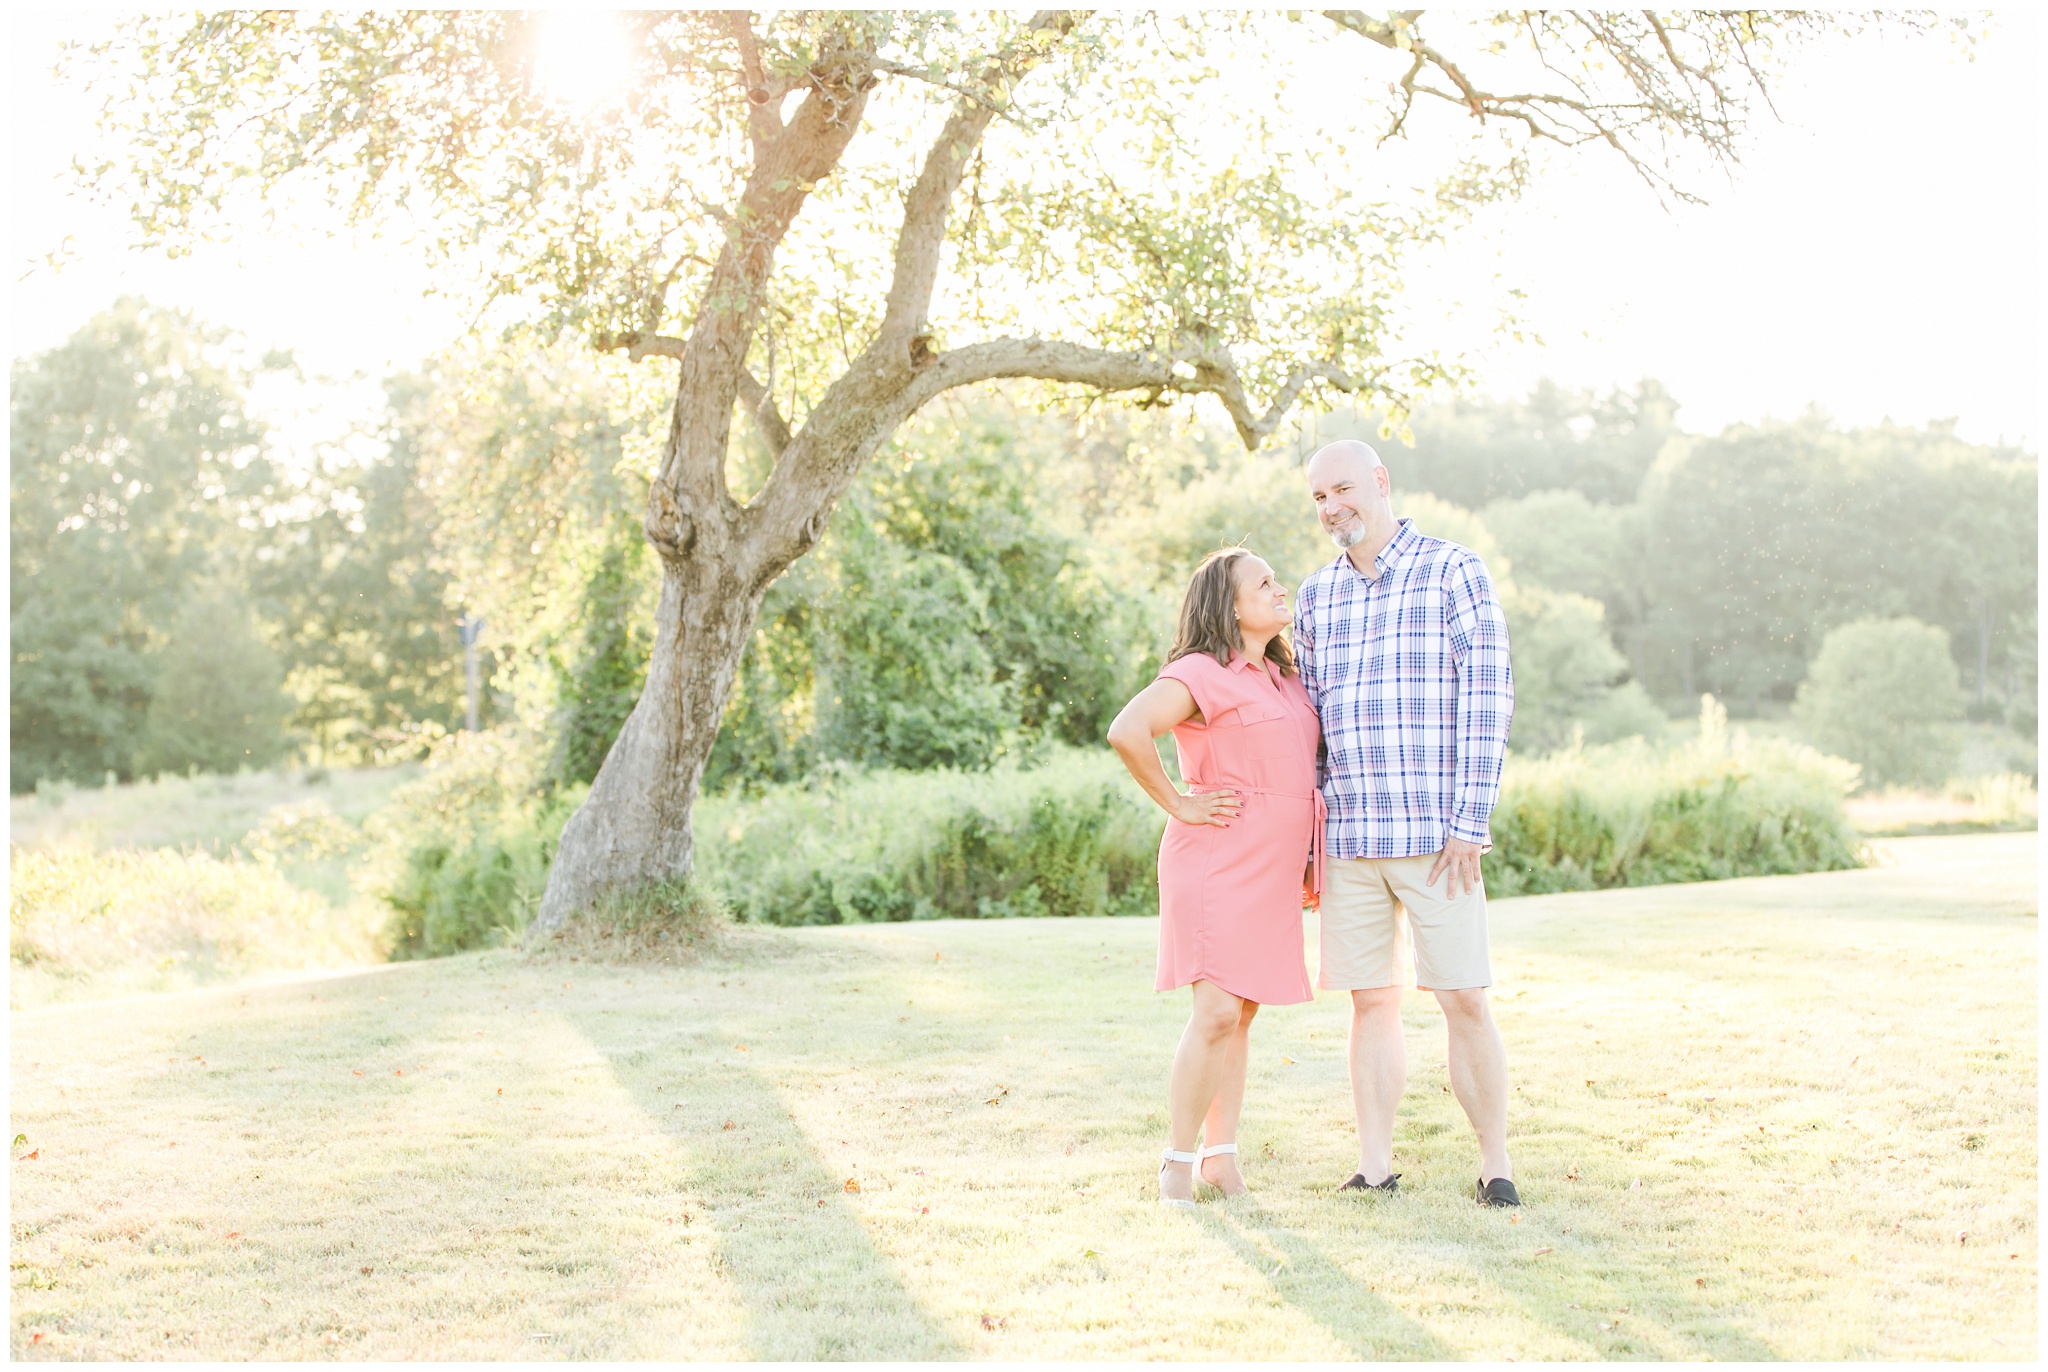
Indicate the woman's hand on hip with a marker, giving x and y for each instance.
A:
(1208, 807)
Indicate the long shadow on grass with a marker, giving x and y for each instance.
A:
(796, 1253)
(1306, 1279)
(1698, 1329)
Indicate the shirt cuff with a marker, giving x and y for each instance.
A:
(1470, 832)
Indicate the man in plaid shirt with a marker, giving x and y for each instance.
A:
(1404, 651)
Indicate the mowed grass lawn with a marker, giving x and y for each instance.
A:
(1778, 1118)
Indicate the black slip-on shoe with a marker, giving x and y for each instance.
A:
(1498, 1192)
(1359, 1183)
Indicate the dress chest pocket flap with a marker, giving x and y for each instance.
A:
(1249, 713)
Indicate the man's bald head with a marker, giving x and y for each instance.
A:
(1353, 454)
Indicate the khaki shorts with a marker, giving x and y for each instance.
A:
(1366, 901)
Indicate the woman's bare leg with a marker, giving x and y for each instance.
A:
(1222, 1171)
(1199, 1065)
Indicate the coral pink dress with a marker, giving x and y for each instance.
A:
(1230, 899)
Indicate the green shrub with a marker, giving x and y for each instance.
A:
(1070, 837)
(104, 923)
(1630, 814)
(1885, 694)
(462, 854)
(466, 848)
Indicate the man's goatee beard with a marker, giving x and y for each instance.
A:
(1349, 536)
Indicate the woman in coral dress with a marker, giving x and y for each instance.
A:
(1241, 849)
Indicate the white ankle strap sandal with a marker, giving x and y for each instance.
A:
(1171, 1156)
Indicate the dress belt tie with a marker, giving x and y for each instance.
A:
(1314, 797)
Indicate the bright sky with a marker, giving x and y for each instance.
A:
(1878, 254)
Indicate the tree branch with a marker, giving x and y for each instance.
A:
(774, 429)
(763, 122)
(786, 516)
(1185, 371)
(637, 345)
(930, 202)
(1665, 92)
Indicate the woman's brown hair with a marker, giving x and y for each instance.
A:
(1208, 615)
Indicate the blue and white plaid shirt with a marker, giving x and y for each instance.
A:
(1408, 669)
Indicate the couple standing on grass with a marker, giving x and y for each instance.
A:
(1357, 769)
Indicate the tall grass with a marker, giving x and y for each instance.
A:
(1070, 837)
(209, 813)
(463, 853)
(1630, 814)
(1075, 837)
(84, 923)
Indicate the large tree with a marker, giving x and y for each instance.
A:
(826, 219)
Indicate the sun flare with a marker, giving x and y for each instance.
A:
(582, 57)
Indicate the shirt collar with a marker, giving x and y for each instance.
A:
(1240, 663)
(1397, 548)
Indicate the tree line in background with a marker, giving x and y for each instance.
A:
(187, 596)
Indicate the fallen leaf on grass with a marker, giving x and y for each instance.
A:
(1589, 1081)
(994, 1322)
(501, 1090)
(727, 1125)
(368, 1270)
(398, 1071)
(1962, 1236)
(36, 1337)
(1090, 1253)
(358, 1072)
(1699, 1281)
(1541, 1251)
(30, 1157)
(852, 1186)
(740, 1048)
(1515, 1218)
(1289, 1061)
(233, 1234)
(926, 1210)
(1572, 1175)
(20, 1139)
(1068, 1150)
(1001, 1091)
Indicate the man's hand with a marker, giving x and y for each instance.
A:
(1461, 860)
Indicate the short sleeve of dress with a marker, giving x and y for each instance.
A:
(1204, 680)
